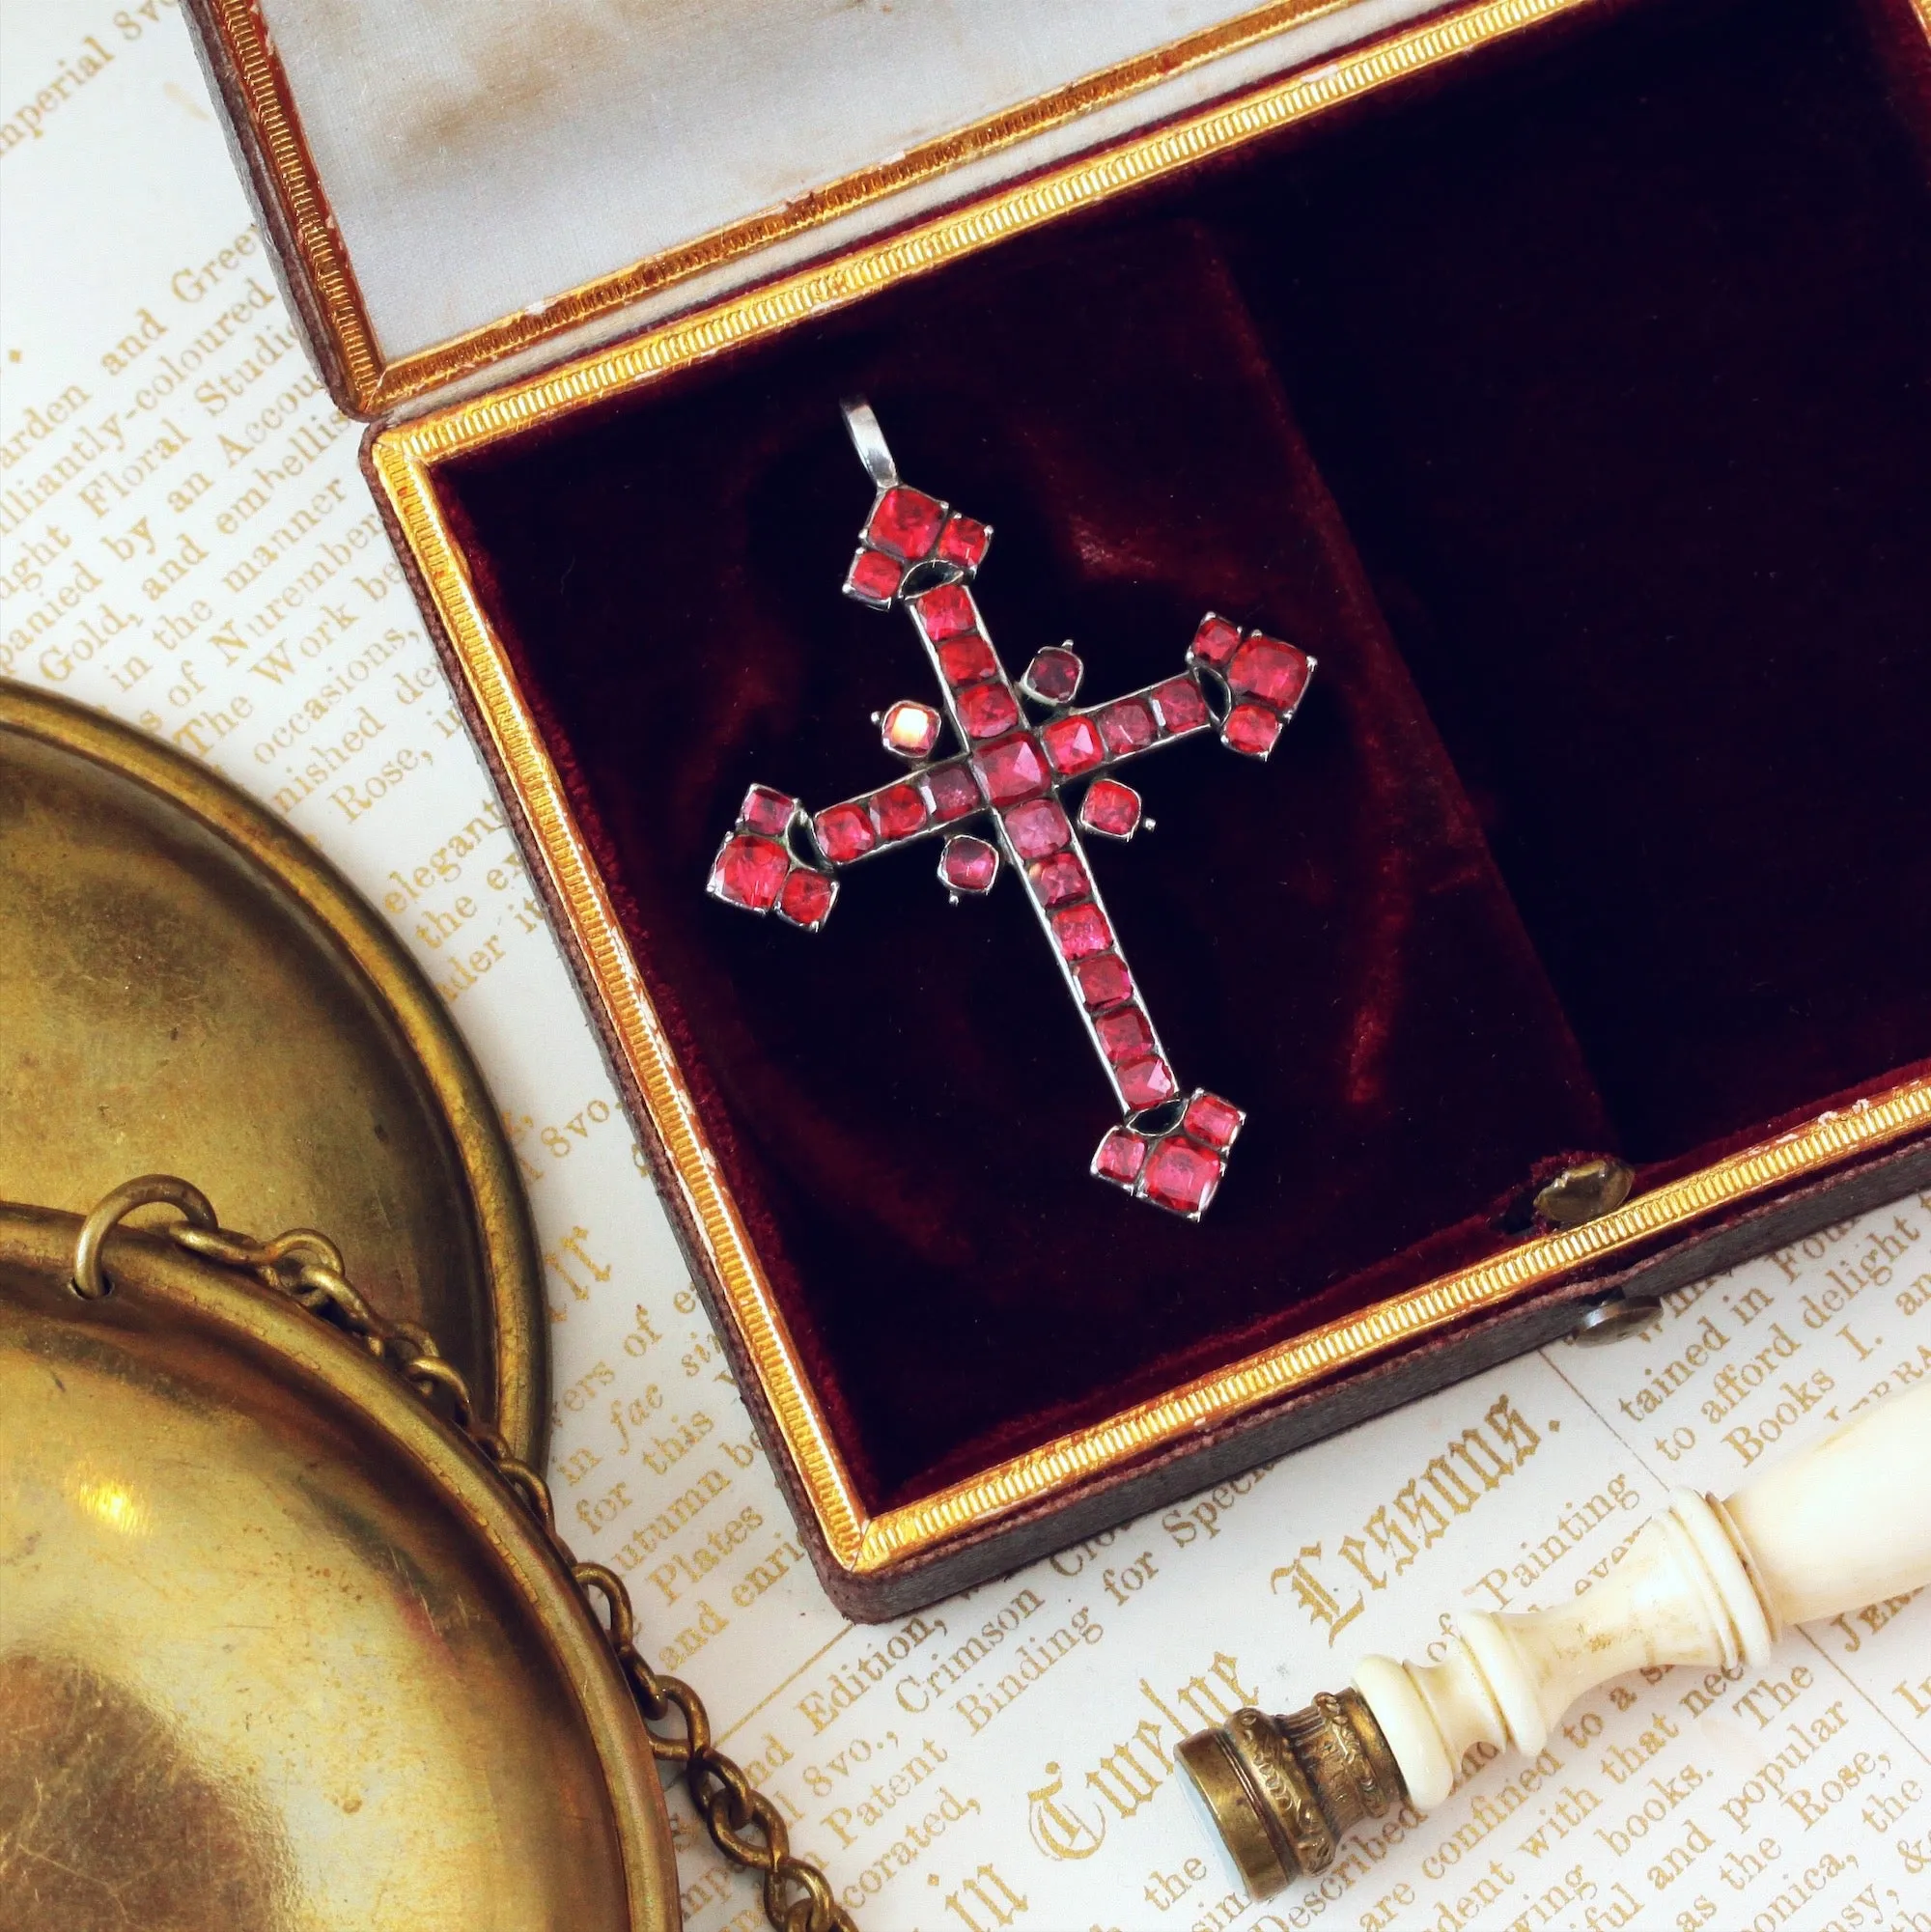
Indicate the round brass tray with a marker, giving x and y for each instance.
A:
(188, 987)
(277, 1652)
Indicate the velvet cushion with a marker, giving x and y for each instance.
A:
(1649, 504)
(1614, 367)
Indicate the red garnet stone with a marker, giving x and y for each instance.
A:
(1251, 729)
(844, 832)
(946, 612)
(964, 543)
(1215, 642)
(1213, 1120)
(749, 871)
(1037, 829)
(1053, 675)
(898, 811)
(1073, 745)
(966, 659)
(952, 792)
(1121, 1156)
(1182, 1177)
(1265, 668)
(1146, 1082)
(1124, 1035)
(1127, 726)
(806, 897)
(1058, 879)
(875, 577)
(906, 522)
(1110, 808)
(766, 811)
(1103, 981)
(969, 864)
(1182, 707)
(1081, 931)
(987, 710)
(1011, 771)
(910, 728)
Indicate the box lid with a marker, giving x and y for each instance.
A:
(460, 188)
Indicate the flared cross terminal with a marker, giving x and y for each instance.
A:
(1003, 800)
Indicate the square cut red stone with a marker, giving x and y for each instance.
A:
(969, 864)
(845, 832)
(1081, 932)
(1251, 729)
(910, 729)
(1110, 808)
(964, 660)
(1121, 1156)
(945, 613)
(898, 811)
(1124, 1035)
(806, 897)
(1145, 1083)
(1182, 1177)
(1213, 1120)
(907, 523)
(1103, 980)
(1053, 675)
(952, 793)
(766, 811)
(1073, 745)
(1011, 771)
(1037, 829)
(1058, 879)
(964, 543)
(1215, 642)
(1181, 706)
(987, 710)
(749, 871)
(873, 576)
(1265, 668)
(1127, 727)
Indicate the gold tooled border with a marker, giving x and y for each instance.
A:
(373, 383)
(405, 458)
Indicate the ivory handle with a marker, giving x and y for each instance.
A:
(1844, 1523)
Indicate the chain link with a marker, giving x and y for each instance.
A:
(307, 1267)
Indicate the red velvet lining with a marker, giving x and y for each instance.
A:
(1648, 505)
(1617, 370)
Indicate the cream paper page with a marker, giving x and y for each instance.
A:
(188, 545)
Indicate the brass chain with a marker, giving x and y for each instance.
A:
(307, 1267)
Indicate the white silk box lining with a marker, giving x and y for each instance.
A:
(480, 158)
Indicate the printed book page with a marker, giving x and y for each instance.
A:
(188, 545)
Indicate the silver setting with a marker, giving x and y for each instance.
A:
(1061, 884)
(883, 721)
(955, 886)
(1057, 652)
(1157, 1127)
(1140, 819)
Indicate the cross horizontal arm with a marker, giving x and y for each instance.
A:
(1080, 741)
(935, 798)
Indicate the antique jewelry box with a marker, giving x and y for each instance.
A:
(1556, 372)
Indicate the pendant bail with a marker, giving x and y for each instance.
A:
(869, 440)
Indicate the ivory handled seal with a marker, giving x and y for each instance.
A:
(1707, 1581)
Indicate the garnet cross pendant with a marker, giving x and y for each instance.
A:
(915, 553)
